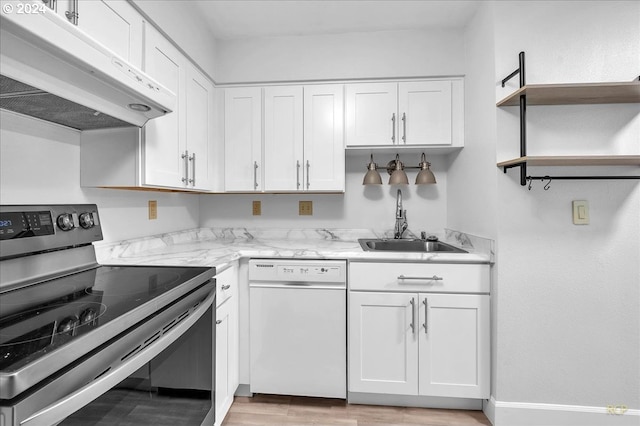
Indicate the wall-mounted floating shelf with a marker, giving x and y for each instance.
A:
(575, 94)
(574, 160)
(566, 94)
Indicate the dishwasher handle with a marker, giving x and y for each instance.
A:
(298, 285)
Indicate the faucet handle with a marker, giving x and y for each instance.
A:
(423, 235)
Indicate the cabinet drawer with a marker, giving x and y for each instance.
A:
(417, 277)
(226, 285)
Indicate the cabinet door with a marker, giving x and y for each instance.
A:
(115, 24)
(224, 345)
(425, 114)
(383, 346)
(454, 345)
(371, 113)
(243, 139)
(164, 137)
(283, 155)
(199, 131)
(324, 168)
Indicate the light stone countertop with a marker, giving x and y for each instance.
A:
(219, 247)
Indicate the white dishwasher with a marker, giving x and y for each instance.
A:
(298, 327)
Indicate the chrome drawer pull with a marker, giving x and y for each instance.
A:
(413, 315)
(433, 278)
(426, 312)
(226, 287)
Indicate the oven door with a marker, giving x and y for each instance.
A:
(90, 378)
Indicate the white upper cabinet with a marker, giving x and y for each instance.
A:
(164, 137)
(173, 151)
(371, 113)
(425, 113)
(420, 113)
(324, 163)
(283, 138)
(115, 24)
(243, 139)
(300, 146)
(199, 113)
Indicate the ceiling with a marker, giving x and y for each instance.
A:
(232, 19)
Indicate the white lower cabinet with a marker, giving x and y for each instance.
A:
(227, 341)
(428, 343)
(383, 351)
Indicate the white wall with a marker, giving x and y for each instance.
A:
(40, 164)
(472, 194)
(361, 207)
(408, 53)
(568, 318)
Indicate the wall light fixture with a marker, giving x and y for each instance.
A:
(398, 176)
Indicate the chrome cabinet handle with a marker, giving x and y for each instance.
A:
(255, 175)
(192, 181)
(413, 315)
(393, 128)
(404, 128)
(72, 15)
(433, 278)
(426, 309)
(297, 174)
(51, 4)
(185, 158)
(308, 167)
(226, 287)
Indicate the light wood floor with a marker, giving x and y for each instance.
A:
(265, 410)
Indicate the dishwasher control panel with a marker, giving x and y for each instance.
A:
(298, 270)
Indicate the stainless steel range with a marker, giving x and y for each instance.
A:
(72, 330)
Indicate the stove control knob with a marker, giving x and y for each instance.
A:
(67, 325)
(86, 220)
(88, 316)
(65, 222)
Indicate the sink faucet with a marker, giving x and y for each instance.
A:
(401, 217)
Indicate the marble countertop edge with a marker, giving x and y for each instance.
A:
(221, 247)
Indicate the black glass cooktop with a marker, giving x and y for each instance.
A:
(38, 319)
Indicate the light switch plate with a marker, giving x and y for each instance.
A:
(580, 212)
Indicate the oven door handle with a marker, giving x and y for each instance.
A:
(71, 403)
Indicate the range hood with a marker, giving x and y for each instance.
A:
(52, 70)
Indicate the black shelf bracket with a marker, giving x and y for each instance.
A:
(523, 119)
(523, 139)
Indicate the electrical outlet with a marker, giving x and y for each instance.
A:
(153, 209)
(305, 208)
(257, 208)
(580, 212)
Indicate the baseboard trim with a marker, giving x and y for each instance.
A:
(243, 390)
(414, 401)
(504, 413)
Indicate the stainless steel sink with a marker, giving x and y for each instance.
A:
(408, 245)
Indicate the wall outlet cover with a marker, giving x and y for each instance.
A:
(153, 209)
(257, 208)
(305, 208)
